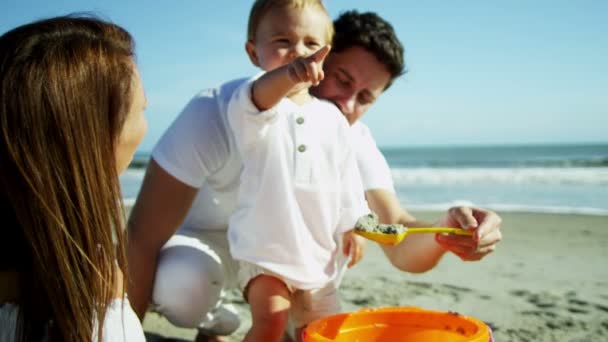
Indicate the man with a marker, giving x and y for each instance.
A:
(192, 183)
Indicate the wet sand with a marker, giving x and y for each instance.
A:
(547, 281)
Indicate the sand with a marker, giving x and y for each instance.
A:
(547, 281)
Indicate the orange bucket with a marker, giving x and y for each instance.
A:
(401, 324)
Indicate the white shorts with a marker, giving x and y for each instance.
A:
(191, 278)
(306, 305)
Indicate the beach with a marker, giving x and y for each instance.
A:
(547, 281)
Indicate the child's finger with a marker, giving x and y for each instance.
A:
(346, 246)
(353, 260)
(321, 75)
(298, 71)
(357, 250)
(320, 55)
(311, 74)
(316, 72)
(355, 255)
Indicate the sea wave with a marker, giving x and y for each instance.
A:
(507, 207)
(533, 175)
(591, 162)
(525, 156)
(133, 173)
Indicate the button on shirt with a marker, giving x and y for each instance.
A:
(300, 187)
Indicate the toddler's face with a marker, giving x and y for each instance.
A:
(287, 33)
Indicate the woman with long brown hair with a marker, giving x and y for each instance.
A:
(71, 116)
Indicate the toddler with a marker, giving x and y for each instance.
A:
(300, 191)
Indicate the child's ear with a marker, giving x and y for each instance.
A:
(250, 48)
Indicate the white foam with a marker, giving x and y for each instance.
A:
(548, 176)
(128, 202)
(506, 207)
(135, 174)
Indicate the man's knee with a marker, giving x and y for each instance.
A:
(188, 285)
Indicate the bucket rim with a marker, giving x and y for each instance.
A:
(311, 332)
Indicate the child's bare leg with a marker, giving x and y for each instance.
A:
(298, 333)
(269, 300)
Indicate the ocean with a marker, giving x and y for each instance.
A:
(529, 178)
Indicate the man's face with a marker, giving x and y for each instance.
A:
(354, 79)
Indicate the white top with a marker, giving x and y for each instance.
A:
(374, 170)
(199, 150)
(300, 187)
(120, 324)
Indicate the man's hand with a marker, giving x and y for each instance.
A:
(485, 225)
(308, 69)
(353, 245)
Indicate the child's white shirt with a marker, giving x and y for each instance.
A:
(300, 187)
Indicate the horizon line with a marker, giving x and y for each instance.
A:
(474, 145)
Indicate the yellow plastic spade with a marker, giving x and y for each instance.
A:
(393, 239)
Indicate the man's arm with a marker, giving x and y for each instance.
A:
(420, 253)
(415, 253)
(160, 208)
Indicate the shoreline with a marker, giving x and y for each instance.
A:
(502, 208)
(546, 281)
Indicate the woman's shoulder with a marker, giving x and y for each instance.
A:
(121, 323)
(8, 321)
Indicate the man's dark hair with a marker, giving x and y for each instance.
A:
(369, 31)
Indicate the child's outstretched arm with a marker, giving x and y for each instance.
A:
(353, 245)
(268, 90)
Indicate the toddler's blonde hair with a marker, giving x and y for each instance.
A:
(261, 8)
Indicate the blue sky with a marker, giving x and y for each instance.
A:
(480, 72)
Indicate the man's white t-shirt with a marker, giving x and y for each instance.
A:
(374, 170)
(199, 150)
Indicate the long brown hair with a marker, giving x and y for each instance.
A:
(65, 90)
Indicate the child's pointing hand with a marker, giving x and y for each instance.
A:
(309, 69)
